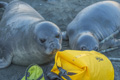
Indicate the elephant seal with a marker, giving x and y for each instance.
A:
(92, 25)
(26, 37)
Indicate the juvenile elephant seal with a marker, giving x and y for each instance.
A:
(92, 25)
(26, 37)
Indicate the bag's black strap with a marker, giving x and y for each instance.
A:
(40, 77)
(63, 73)
(53, 76)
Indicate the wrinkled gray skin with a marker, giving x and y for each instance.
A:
(93, 24)
(25, 37)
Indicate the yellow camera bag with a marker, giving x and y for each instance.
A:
(82, 65)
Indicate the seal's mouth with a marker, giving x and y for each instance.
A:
(53, 52)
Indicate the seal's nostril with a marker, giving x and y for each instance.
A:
(42, 40)
(96, 49)
(57, 36)
(83, 48)
(52, 45)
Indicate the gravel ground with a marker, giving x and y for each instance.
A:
(61, 12)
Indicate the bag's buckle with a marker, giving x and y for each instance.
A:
(63, 73)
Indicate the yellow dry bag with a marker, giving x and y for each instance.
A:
(82, 65)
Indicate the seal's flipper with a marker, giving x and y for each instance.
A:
(110, 44)
(5, 58)
(116, 43)
(65, 36)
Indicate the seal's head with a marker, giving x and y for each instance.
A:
(86, 41)
(48, 37)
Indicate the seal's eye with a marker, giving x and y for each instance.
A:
(96, 49)
(42, 40)
(57, 36)
(83, 48)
